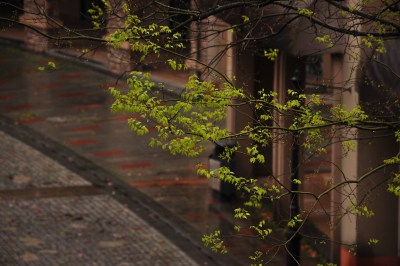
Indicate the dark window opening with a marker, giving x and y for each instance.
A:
(178, 16)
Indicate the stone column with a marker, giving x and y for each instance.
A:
(209, 40)
(40, 16)
(209, 44)
(119, 59)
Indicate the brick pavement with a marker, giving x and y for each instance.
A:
(74, 230)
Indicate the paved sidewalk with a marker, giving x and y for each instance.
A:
(83, 228)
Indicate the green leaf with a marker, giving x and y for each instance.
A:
(215, 242)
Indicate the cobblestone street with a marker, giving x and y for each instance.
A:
(78, 229)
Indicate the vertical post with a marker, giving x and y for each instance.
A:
(293, 236)
(119, 59)
(36, 15)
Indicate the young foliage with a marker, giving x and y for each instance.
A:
(214, 242)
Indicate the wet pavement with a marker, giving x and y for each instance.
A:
(52, 216)
(85, 175)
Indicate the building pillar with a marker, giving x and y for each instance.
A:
(371, 148)
(41, 17)
(349, 167)
(119, 59)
